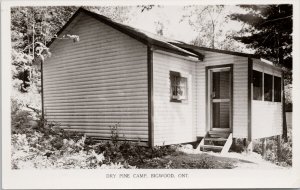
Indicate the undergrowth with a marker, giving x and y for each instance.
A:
(282, 157)
(37, 143)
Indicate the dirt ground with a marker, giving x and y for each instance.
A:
(250, 160)
(243, 160)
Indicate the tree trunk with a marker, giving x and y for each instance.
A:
(281, 63)
(284, 125)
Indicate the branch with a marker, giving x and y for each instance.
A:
(279, 18)
(34, 109)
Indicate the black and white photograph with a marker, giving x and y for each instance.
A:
(149, 93)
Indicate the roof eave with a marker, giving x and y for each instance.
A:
(216, 50)
(144, 39)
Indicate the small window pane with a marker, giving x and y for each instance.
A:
(268, 85)
(178, 87)
(221, 87)
(257, 85)
(221, 114)
(277, 89)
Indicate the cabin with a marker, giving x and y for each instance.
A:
(159, 91)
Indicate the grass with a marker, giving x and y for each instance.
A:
(180, 160)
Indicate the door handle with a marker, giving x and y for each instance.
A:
(213, 94)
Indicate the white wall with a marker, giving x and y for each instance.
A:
(266, 115)
(173, 122)
(240, 91)
(98, 81)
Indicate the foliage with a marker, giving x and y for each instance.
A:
(45, 145)
(37, 143)
(120, 150)
(206, 21)
(48, 146)
(238, 146)
(33, 27)
(181, 160)
(210, 23)
(283, 157)
(269, 31)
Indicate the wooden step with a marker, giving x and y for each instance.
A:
(218, 134)
(215, 139)
(212, 147)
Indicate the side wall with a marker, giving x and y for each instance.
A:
(97, 82)
(266, 116)
(240, 92)
(173, 122)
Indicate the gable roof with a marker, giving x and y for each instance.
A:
(153, 40)
(142, 36)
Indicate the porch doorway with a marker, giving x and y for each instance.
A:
(220, 98)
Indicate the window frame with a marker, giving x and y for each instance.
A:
(270, 88)
(261, 85)
(273, 75)
(179, 75)
(280, 91)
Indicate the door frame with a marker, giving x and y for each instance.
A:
(208, 97)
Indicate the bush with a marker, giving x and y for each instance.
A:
(238, 146)
(282, 158)
(46, 145)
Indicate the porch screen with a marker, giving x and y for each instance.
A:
(257, 85)
(277, 89)
(268, 86)
(221, 99)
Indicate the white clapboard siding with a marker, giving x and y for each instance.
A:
(266, 119)
(240, 92)
(97, 82)
(173, 122)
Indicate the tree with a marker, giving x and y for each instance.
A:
(207, 21)
(268, 29)
(31, 29)
(159, 28)
(116, 13)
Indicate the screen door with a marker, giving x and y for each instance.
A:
(220, 98)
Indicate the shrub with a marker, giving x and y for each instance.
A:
(127, 152)
(283, 158)
(238, 146)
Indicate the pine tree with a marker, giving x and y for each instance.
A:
(268, 29)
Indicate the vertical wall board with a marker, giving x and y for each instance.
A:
(250, 96)
(97, 82)
(150, 96)
(174, 122)
(201, 99)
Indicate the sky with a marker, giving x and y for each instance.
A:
(174, 26)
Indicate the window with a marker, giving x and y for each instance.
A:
(178, 87)
(257, 85)
(277, 89)
(268, 86)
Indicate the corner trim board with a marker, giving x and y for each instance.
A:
(250, 87)
(42, 89)
(150, 96)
